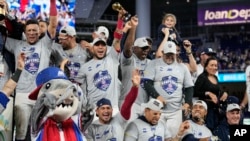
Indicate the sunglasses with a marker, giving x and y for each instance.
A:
(144, 48)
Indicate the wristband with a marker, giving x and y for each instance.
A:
(118, 32)
(16, 75)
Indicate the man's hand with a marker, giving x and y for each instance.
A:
(21, 61)
(136, 78)
(134, 21)
(162, 99)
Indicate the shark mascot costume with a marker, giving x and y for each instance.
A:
(60, 112)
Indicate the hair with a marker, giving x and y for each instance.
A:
(166, 15)
(31, 21)
(208, 60)
(44, 21)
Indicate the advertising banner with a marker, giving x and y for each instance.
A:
(220, 13)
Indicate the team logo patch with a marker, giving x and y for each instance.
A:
(73, 68)
(155, 138)
(32, 63)
(169, 84)
(102, 80)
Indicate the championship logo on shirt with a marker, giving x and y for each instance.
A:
(155, 138)
(32, 63)
(169, 84)
(102, 80)
(73, 69)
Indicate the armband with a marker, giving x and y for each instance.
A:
(16, 75)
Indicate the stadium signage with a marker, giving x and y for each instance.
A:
(220, 14)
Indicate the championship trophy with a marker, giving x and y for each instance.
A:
(3, 10)
(118, 7)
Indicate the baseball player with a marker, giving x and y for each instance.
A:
(195, 128)
(101, 74)
(148, 127)
(108, 127)
(37, 53)
(165, 79)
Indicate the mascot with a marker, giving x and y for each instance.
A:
(60, 112)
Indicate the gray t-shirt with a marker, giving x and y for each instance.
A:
(139, 130)
(101, 78)
(127, 66)
(199, 131)
(37, 59)
(114, 131)
(169, 81)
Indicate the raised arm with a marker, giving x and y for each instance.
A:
(192, 66)
(159, 53)
(10, 85)
(52, 19)
(131, 37)
(131, 97)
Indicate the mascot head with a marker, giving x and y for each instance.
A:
(55, 96)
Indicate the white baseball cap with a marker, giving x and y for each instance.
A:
(153, 104)
(99, 40)
(200, 102)
(68, 30)
(169, 47)
(233, 106)
(102, 30)
(141, 42)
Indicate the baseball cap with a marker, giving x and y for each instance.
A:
(200, 102)
(141, 42)
(104, 30)
(68, 30)
(102, 102)
(208, 51)
(44, 76)
(99, 40)
(153, 104)
(233, 106)
(169, 47)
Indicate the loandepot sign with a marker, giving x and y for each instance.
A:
(218, 14)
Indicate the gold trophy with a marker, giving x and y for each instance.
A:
(2, 9)
(118, 7)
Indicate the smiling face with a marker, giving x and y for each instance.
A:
(199, 112)
(233, 117)
(99, 50)
(211, 66)
(104, 113)
(142, 52)
(66, 100)
(169, 20)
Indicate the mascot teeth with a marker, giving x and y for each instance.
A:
(63, 105)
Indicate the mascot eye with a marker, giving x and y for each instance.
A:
(48, 85)
(74, 90)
